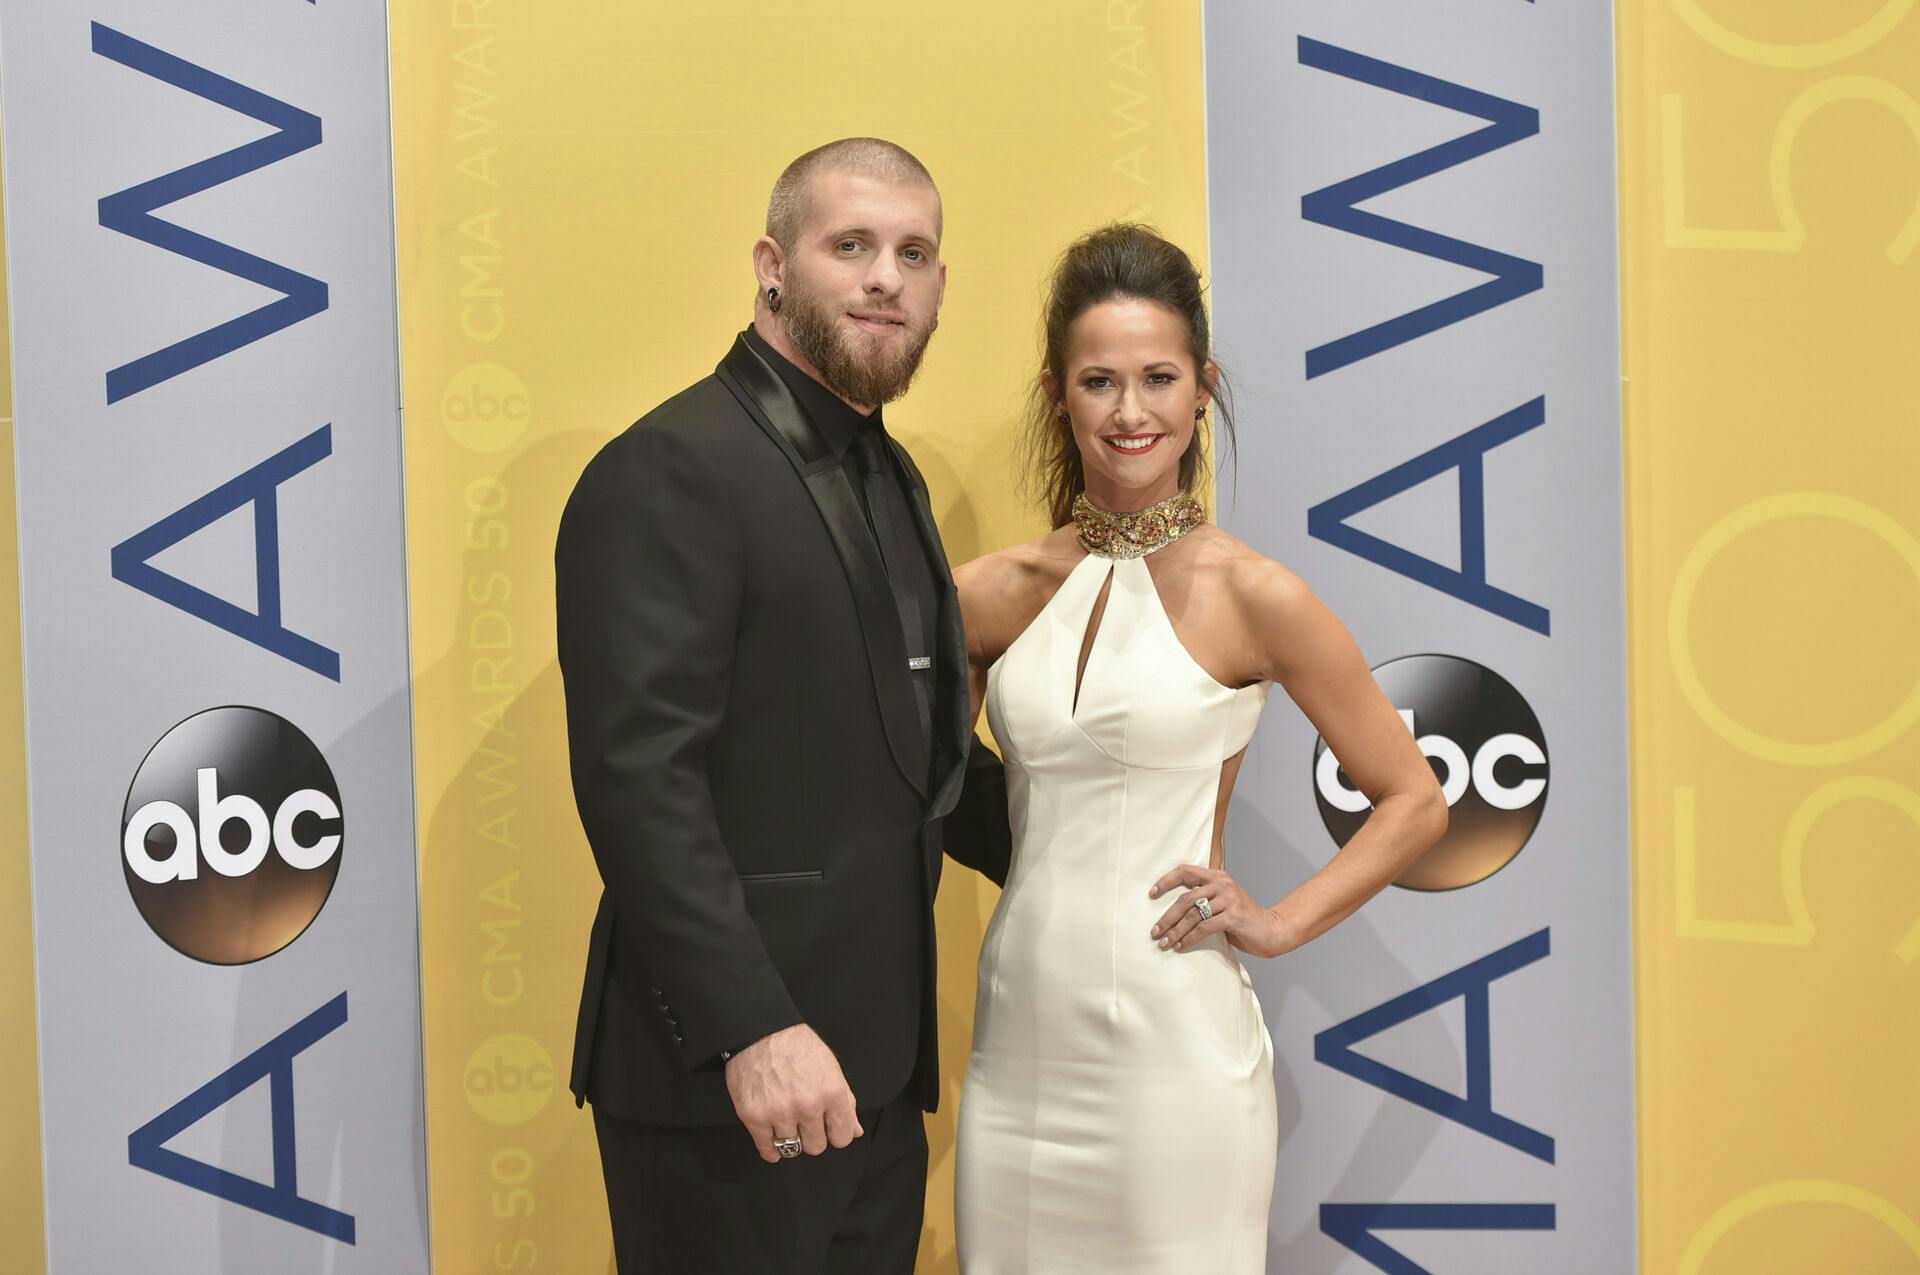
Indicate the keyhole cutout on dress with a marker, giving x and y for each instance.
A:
(1093, 630)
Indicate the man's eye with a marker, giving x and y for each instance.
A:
(914, 254)
(849, 245)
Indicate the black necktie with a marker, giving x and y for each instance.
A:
(877, 481)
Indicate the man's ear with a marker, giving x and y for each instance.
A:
(769, 263)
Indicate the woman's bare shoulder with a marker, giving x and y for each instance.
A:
(1001, 592)
(1017, 566)
(1255, 583)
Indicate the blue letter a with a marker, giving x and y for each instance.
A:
(273, 1061)
(131, 213)
(1334, 1047)
(259, 487)
(1328, 520)
(1335, 205)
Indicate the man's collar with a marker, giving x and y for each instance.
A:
(837, 423)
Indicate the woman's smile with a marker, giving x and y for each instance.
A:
(1132, 444)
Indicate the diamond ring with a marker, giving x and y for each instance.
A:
(1204, 908)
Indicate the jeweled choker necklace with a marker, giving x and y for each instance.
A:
(1136, 534)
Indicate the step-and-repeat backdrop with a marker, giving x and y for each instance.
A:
(309, 899)
(213, 617)
(577, 204)
(1414, 278)
(1770, 199)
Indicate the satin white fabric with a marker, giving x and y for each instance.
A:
(1118, 1115)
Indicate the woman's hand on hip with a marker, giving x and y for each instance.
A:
(1253, 929)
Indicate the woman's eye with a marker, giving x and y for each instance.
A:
(1096, 382)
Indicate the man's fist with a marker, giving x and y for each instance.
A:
(789, 1085)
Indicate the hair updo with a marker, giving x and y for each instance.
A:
(1121, 262)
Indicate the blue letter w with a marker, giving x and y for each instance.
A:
(131, 213)
(1335, 205)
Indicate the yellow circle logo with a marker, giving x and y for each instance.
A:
(509, 1079)
(485, 407)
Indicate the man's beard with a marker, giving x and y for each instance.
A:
(848, 361)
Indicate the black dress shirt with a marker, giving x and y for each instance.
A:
(840, 424)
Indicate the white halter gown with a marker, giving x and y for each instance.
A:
(1118, 1115)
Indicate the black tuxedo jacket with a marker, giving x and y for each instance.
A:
(766, 811)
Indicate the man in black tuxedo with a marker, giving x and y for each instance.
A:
(769, 719)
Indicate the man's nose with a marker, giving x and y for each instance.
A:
(883, 278)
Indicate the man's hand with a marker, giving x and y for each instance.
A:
(789, 1085)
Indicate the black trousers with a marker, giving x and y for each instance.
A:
(702, 1200)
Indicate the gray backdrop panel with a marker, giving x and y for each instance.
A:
(1280, 126)
(129, 1026)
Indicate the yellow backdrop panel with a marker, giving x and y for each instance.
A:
(22, 1212)
(579, 184)
(1771, 215)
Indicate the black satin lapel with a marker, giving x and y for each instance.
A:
(760, 390)
(951, 727)
(768, 401)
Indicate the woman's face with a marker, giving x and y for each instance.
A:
(1131, 395)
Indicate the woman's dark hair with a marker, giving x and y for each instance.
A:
(1121, 262)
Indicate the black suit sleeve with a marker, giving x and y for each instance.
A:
(648, 582)
(977, 832)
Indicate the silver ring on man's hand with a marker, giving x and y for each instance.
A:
(787, 1147)
(1204, 908)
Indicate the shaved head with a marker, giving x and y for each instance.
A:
(871, 157)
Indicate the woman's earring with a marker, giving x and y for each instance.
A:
(1199, 413)
(773, 300)
(1063, 418)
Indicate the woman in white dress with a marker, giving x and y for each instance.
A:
(1118, 1115)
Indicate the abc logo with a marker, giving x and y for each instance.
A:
(231, 835)
(509, 1079)
(1487, 750)
(485, 407)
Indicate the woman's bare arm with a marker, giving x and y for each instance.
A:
(974, 583)
(1304, 647)
(1287, 635)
